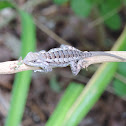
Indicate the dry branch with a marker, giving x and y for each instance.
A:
(11, 67)
(101, 59)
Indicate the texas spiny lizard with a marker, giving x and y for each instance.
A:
(61, 57)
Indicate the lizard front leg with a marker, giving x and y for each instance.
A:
(38, 63)
(44, 69)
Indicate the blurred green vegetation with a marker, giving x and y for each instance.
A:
(54, 84)
(119, 83)
(77, 101)
(108, 10)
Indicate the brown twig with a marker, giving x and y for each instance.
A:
(50, 33)
(11, 67)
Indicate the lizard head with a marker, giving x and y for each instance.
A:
(31, 58)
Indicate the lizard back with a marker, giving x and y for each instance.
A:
(62, 55)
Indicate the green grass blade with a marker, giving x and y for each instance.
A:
(28, 33)
(19, 95)
(71, 93)
(22, 80)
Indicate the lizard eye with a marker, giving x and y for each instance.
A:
(33, 61)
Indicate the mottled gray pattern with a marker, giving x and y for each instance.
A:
(61, 57)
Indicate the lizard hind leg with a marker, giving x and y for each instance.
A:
(75, 68)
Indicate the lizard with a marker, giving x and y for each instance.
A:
(63, 56)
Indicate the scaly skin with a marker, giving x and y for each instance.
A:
(61, 57)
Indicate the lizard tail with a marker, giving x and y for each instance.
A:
(100, 53)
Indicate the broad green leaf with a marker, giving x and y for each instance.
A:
(114, 22)
(119, 88)
(112, 4)
(124, 2)
(96, 1)
(109, 7)
(5, 4)
(60, 1)
(81, 7)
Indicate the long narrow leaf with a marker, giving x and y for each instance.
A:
(22, 80)
(71, 93)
